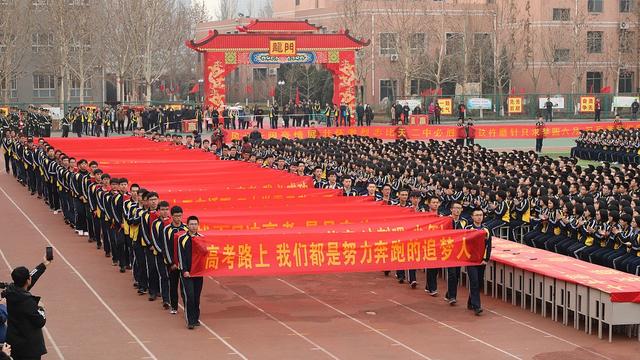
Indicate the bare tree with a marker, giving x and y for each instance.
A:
(86, 50)
(404, 43)
(227, 9)
(531, 39)
(266, 11)
(442, 65)
(158, 33)
(507, 42)
(555, 53)
(15, 40)
(119, 45)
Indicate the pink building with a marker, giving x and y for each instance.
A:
(542, 46)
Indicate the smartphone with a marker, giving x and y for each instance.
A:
(49, 253)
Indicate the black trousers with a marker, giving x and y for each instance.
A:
(476, 279)
(163, 277)
(54, 198)
(65, 131)
(400, 274)
(174, 283)
(539, 145)
(360, 123)
(79, 215)
(432, 280)
(453, 274)
(191, 290)
(152, 273)
(7, 162)
(140, 266)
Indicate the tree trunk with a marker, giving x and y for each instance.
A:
(148, 93)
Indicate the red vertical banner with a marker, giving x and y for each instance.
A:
(217, 66)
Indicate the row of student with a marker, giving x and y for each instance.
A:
(136, 230)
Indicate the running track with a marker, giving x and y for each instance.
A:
(93, 312)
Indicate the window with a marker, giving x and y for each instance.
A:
(561, 55)
(454, 43)
(594, 81)
(625, 81)
(416, 42)
(626, 38)
(594, 42)
(13, 91)
(75, 87)
(594, 6)
(44, 86)
(388, 89)
(625, 6)
(561, 15)
(388, 43)
(41, 42)
(77, 45)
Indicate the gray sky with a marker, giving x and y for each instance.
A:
(243, 5)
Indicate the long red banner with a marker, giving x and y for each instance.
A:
(266, 217)
(438, 132)
(247, 255)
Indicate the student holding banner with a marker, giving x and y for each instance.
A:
(191, 286)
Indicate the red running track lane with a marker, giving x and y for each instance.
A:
(94, 312)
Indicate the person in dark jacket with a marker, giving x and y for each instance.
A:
(26, 317)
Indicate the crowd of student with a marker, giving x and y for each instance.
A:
(134, 228)
(591, 213)
(618, 145)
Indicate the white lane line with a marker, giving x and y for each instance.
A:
(455, 329)
(46, 331)
(315, 345)
(86, 283)
(217, 336)
(394, 341)
(549, 334)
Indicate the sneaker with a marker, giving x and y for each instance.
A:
(451, 301)
(431, 293)
(386, 273)
(142, 291)
(478, 311)
(166, 306)
(401, 280)
(173, 311)
(122, 270)
(414, 284)
(190, 327)
(85, 233)
(198, 323)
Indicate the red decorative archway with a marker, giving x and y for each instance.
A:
(278, 42)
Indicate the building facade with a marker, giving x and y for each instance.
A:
(474, 46)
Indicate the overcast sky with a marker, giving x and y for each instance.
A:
(242, 6)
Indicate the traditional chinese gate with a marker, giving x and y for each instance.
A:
(278, 42)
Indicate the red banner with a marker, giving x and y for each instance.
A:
(256, 217)
(251, 255)
(438, 132)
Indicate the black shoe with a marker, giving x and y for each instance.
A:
(152, 297)
(122, 270)
(478, 311)
(401, 280)
(190, 327)
(198, 323)
(142, 291)
(414, 284)
(135, 285)
(166, 306)
(107, 254)
(386, 273)
(98, 246)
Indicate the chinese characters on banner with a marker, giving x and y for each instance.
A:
(282, 47)
(264, 254)
(446, 106)
(587, 104)
(440, 132)
(515, 104)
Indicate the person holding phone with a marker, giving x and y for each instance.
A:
(26, 314)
